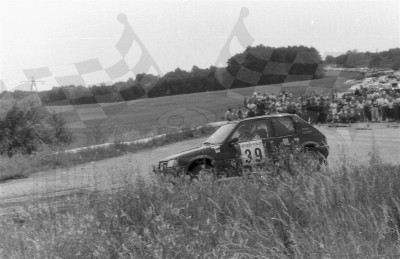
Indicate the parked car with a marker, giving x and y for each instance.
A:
(247, 143)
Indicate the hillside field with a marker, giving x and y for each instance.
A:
(151, 116)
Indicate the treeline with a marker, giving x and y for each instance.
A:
(257, 65)
(352, 58)
(276, 65)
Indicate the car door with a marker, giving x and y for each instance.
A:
(284, 131)
(252, 146)
(266, 133)
(230, 149)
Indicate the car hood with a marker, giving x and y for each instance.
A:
(198, 150)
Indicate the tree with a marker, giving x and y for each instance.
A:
(396, 66)
(329, 59)
(267, 65)
(375, 62)
(341, 59)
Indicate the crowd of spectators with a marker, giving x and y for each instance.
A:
(364, 105)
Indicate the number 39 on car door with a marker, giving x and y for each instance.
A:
(252, 152)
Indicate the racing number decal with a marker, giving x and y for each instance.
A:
(252, 152)
(258, 155)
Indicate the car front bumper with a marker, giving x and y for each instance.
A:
(324, 150)
(175, 171)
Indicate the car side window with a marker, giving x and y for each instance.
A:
(253, 130)
(263, 129)
(283, 126)
(245, 132)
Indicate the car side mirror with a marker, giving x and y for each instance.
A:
(233, 141)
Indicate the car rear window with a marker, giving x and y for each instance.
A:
(283, 126)
(301, 124)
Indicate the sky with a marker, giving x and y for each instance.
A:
(57, 34)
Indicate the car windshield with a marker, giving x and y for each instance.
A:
(221, 134)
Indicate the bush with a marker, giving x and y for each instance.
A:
(15, 167)
(25, 129)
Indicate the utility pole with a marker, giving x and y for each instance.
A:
(33, 83)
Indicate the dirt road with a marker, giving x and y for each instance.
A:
(109, 173)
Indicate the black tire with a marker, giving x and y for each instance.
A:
(201, 170)
(315, 157)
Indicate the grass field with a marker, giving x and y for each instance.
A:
(351, 212)
(150, 116)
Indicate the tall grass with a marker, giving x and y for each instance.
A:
(351, 212)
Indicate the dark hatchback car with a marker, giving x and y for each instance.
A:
(247, 143)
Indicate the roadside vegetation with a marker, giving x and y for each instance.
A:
(349, 212)
(388, 59)
(46, 157)
(25, 128)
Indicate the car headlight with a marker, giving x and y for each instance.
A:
(172, 163)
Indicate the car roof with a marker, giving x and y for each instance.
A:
(264, 116)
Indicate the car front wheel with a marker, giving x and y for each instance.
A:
(314, 157)
(202, 170)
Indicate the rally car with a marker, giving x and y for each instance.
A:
(247, 143)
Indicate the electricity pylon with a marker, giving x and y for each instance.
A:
(33, 83)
